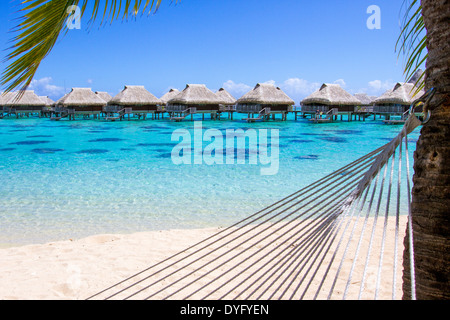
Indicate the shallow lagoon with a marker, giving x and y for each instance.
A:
(71, 179)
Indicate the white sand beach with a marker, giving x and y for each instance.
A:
(80, 268)
(77, 269)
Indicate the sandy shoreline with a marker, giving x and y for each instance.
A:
(78, 269)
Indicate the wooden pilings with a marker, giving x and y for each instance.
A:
(70, 114)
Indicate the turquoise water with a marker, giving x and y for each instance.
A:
(71, 179)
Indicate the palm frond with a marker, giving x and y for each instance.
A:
(42, 22)
(412, 42)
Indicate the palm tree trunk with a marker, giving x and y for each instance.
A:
(431, 191)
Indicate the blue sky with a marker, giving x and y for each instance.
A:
(295, 44)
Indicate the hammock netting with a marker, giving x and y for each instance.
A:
(341, 237)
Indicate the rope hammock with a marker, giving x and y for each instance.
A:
(338, 238)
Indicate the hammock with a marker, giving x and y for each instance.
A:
(338, 238)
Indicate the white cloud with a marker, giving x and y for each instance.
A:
(299, 88)
(43, 87)
(296, 88)
(270, 82)
(236, 89)
(90, 81)
(340, 82)
(379, 87)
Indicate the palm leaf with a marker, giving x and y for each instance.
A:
(412, 42)
(42, 22)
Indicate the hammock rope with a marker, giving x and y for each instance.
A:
(309, 245)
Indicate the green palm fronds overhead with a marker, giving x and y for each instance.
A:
(42, 22)
(412, 42)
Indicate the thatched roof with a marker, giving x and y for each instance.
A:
(59, 101)
(365, 98)
(226, 97)
(265, 93)
(416, 76)
(134, 96)
(104, 95)
(81, 97)
(332, 95)
(196, 94)
(402, 93)
(169, 95)
(47, 100)
(4, 97)
(29, 98)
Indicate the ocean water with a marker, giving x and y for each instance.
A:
(63, 180)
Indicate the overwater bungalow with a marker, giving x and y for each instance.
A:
(229, 102)
(104, 95)
(330, 99)
(169, 95)
(24, 103)
(49, 103)
(135, 100)
(79, 101)
(365, 99)
(264, 100)
(366, 107)
(226, 97)
(4, 97)
(396, 101)
(2, 101)
(195, 98)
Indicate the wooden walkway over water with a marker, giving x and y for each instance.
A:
(190, 114)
